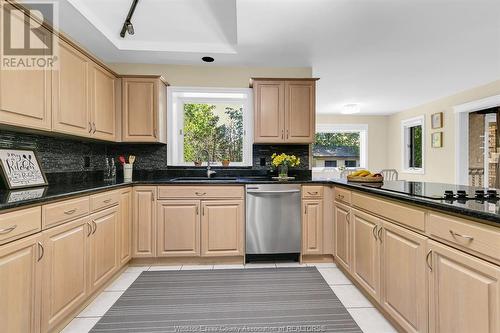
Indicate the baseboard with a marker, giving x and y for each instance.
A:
(187, 261)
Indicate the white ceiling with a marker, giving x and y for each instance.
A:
(386, 55)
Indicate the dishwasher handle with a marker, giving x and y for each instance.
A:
(273, 192)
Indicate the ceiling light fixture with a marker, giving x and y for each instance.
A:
(208, 59)
(350, 109)
(127, 25)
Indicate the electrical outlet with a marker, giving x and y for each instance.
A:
(86, 162)
(262, 161)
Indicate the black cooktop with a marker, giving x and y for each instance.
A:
(438, 191)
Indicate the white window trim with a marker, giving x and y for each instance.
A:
(175, 99)
(348, 128)
(420, 120)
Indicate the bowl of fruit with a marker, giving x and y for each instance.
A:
(365, 176)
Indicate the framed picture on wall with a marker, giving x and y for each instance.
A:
(20, 169)
(437, 120)
(437, 140)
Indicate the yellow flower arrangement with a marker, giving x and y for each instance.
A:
(284, 159)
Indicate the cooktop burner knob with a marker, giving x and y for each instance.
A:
(492, 194)
(448, 194)
(461, 194)
(479, 194)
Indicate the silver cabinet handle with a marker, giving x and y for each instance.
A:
(282, 134)
(455, 235)
(90, 229)
(42, 251)
(427, 257)
(380, 234)
(90, 127)
(287, 134)
(305, 209)
(312, 193)
(347, 217)
(95, 128)
(200, 193)
(197, 210)
(7, 230)
(270, 192)
(340, 196)
(154, 132)
(69, 212)
(374, 231)
(95, 227)
(107, 201)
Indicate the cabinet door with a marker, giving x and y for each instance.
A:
(300, 111)
(464, 292)
(222, 228)
(125, 226)
(269, 107)
(178, 228)
(20, 277)
(71, 98)
(144, 222)
(403, 277)
(342, 234)
(65, 271)
(366, 252)
(140, 107)
(103, 247)
(312, 226)
(103, 103)
(25, 95)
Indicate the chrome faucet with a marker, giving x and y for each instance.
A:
(210, 172)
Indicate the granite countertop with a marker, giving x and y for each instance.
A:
(488, 211)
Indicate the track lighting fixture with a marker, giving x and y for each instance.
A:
(127, 25)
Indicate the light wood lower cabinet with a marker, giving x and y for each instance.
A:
(103, 247)
(20, 290)
(366, 252)
(178, 228)
(464, 292)
(343, 235)
(312, 226)
(65, 271)
(222, 228)
(125, 226)
(403, 277)
(144, 222)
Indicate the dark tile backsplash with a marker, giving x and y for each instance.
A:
(72, 156)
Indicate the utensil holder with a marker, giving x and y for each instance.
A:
(127, 172)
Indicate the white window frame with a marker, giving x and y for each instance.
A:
(405, 151)
(178, 96)
(347, 128)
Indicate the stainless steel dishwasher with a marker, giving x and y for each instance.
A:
(273, 220)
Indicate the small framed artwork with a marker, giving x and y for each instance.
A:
(21, 169)
(437, 120)
(437, 140)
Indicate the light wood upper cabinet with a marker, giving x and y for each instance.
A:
(125, 226)
(103, 103)
(403, 277)
(269, 109)
(366, 252)
(464, 292)
(144, 110)
(25, 95)
(20, 289)
(300, 111)
(65, 271)
(222, 228)
(178, 228)
(103, 248)
(144, 222)
(284, 110)
(342, 234)
(71, 95)
(312, 226)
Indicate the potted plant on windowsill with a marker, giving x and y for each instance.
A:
(283, 162)
(225, 162)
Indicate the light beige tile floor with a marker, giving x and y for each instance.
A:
(366, 316)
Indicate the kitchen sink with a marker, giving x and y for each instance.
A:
(198, 179)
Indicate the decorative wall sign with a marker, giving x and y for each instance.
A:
(21, 168)
(437, 120)
(437, 140)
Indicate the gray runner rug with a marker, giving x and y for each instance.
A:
(228, 300)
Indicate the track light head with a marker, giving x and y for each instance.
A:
(127, 25)
(130, 28)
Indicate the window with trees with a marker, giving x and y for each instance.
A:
(413, 144)
(207, 124)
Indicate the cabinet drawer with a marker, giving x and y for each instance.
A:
(200, 192)
(104, 200)
(399, 213)
(20, 223)
(312, 191)
(343, 195)
(59, 212)
(472, 236)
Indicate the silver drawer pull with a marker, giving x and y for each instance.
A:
(200, 193)
(340, 196)
(107, 201)
(7, 230)
(454, 234)
(69, 212)
(312, 193)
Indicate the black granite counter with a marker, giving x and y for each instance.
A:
(482, 210)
